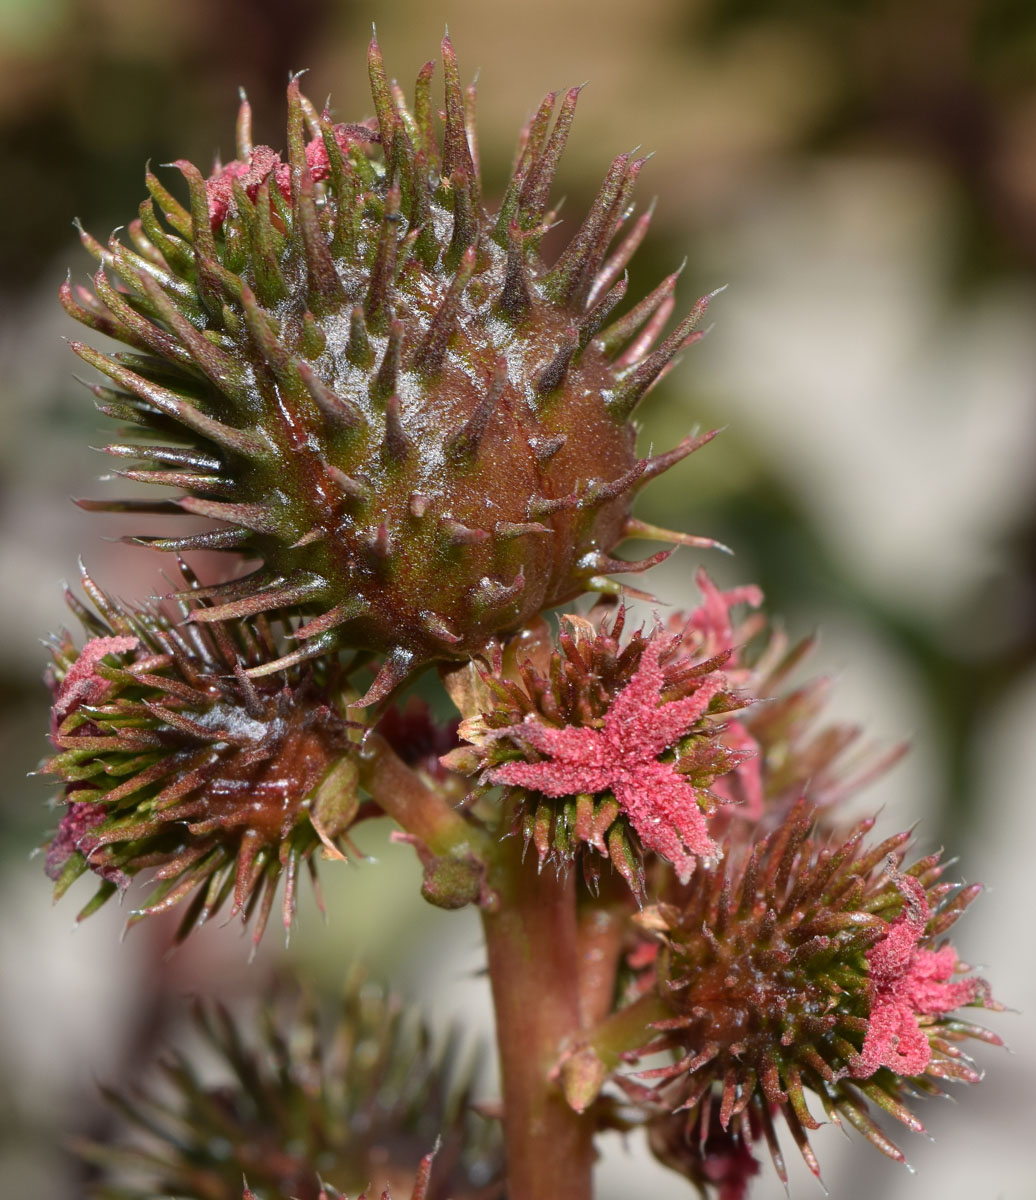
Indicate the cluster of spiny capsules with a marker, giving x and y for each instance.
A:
(791, 959)
(419, 436)
(380, 391)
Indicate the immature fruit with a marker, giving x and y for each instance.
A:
(604, 746)
(810, 964)
(377, 387)
(175, 762)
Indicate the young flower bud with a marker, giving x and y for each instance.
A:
(808, 965)
(420, 428)
(176, 761)
(607, 747)
(308, 1109)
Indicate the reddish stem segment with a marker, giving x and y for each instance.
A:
(421, 810)
(603, 921)
(533, 944)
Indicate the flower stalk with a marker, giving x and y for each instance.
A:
(417, 807)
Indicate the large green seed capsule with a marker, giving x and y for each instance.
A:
(378, 389)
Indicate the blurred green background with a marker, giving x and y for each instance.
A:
(862, 173)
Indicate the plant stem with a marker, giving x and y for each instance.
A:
(533, 943)
(403, 795)
(603, 921)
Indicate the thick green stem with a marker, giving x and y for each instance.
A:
(419, 809)
(533, 942)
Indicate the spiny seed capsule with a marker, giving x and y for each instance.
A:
(810, 964)
(604, 747)
(175, 761)
(376, 387)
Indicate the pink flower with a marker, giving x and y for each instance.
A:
(74, 833)
(908, 982)
(744, 784)
(623, 757)
(709, 629)
(264, 162)
(707, 633)
(81, 684)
